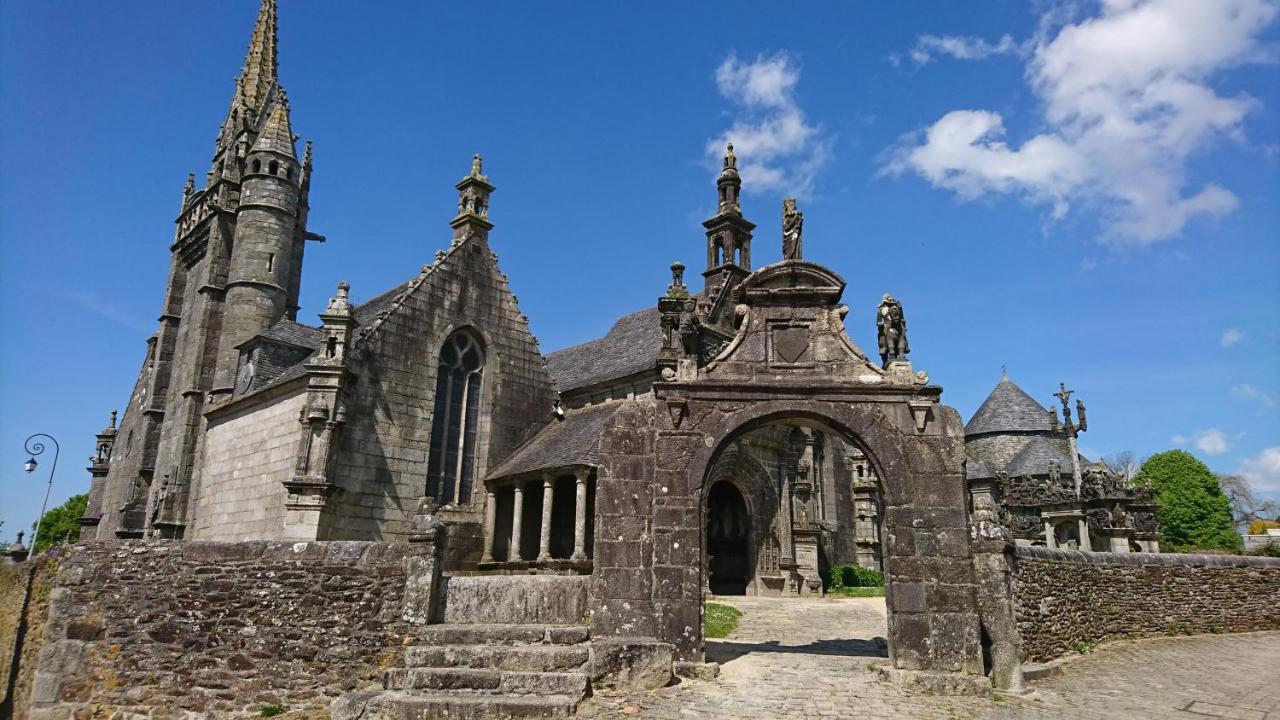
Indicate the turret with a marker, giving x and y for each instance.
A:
(262, 252)
(99, 466)
(728, 232)
(473, 205)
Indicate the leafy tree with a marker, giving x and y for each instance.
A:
(61, 523)
(1260, 527)
(1193, 512)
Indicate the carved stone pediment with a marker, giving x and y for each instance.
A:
(792, 282)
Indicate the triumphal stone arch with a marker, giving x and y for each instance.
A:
(770, 347)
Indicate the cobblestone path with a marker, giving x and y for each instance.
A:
(809, 659)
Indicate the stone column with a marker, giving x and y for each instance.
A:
(580, 516)
(788, 549)
(490, 523)
(1086, 544)
(548, 498)
(517, 517)
(1048, 535)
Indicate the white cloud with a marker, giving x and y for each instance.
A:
(927, 47)
(1231, 337)
(1263, 471)
(1125, 100)
(1245, 390)
(1210, 442)
(778, 149)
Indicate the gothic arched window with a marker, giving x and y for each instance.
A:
(451, 466)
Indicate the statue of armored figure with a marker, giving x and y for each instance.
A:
(792, 230)
(891, 327)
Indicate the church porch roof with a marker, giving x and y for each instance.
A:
(575, 440)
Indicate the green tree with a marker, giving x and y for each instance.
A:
(61, 523)
(1193, 512)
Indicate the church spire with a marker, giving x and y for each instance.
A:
(260, 66)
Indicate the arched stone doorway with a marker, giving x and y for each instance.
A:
(728, 541)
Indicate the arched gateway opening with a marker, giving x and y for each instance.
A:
(786, 502)
(728, 534)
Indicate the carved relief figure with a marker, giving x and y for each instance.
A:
(792, 230)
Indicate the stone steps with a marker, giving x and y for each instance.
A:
(501, 634)
(454, 705)
(527, 658)
(505, 682)
(508, 646)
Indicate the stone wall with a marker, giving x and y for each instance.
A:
(171, 630)
(13, 585)
(1067, 600)
(246, 458)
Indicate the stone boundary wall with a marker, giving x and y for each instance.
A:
(13, 586)
(1068, 600)
(172, 629)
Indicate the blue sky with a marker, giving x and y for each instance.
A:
(1082, 192)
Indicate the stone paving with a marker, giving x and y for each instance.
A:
(794, 658)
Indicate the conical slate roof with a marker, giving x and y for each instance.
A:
(1008, 409)
(277, 133)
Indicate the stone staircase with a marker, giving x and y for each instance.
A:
(509, 647)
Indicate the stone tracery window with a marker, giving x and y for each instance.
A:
(451, 466)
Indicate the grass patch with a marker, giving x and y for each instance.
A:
(270, 710)
(721, 620)
(856, 592)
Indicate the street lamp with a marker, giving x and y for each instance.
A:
(33, 449)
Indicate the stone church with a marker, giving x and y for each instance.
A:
(730, 438)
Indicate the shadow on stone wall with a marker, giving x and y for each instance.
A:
(18, 663)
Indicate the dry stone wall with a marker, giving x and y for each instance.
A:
(172, 630)
(1067, 601)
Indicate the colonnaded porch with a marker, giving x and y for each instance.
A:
(540, 521)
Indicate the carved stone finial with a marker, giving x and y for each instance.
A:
(792, 230)
(476, 161)
(340, 303)
(730, 160)
(891, 330)
(112, 425)
(677, 287)
(306, 154)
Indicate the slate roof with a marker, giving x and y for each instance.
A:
(630, 346)
(294, 333)
(1008, 409)
(306, 336)
(575, 440)
(976, 469)
(367, 312)
(1034, 459)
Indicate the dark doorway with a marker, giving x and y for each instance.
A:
(728, 535)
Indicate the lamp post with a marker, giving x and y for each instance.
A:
(33, 449)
